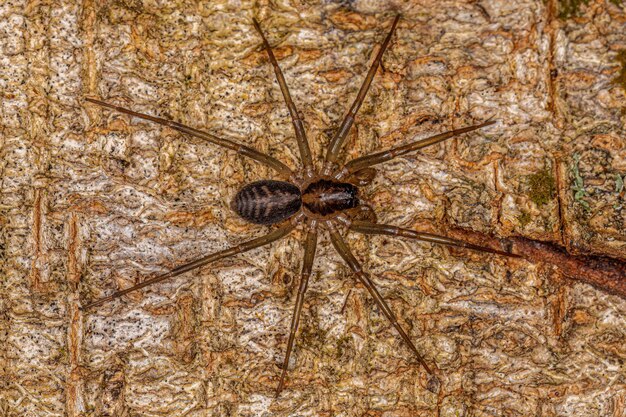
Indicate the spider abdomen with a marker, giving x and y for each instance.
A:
(267, 201)
(325, 197)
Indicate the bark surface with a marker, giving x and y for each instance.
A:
(92, 201)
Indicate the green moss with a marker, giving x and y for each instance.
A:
(542, 187)
(569, 8)
(578, 186)
(524, 219)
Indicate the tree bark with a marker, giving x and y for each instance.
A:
(93, 201)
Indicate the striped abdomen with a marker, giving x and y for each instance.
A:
(267, 202)
(325, 197)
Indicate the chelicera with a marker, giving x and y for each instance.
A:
(316, 200)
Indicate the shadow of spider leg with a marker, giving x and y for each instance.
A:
(235, 250)
(345, 252)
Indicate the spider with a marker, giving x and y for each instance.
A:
(325, 199)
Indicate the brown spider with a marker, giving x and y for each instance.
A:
(314, 199)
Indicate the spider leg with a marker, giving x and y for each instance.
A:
(345, 252)
(366, 161)
(242, 247)
(309, 255)
(366, 227)
(226, 143)
(303, 144)
(337, 142)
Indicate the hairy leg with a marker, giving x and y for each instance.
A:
(267, 160)
(242, 247)
(346, 254)
(307, 264)
(366, 161)
(303, 144)
(366, 227)
(336, 143)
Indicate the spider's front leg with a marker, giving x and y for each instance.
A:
(298, 125)
(244, 150)
(345, 252)
(364, 163)
(335, 145)
(309, 255)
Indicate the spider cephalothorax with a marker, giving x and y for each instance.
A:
(325, 199)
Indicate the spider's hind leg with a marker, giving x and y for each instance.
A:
(241, 149)
(273, 236)
(344, 251)
(307, 264)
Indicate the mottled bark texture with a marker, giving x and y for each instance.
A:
(93, 201)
